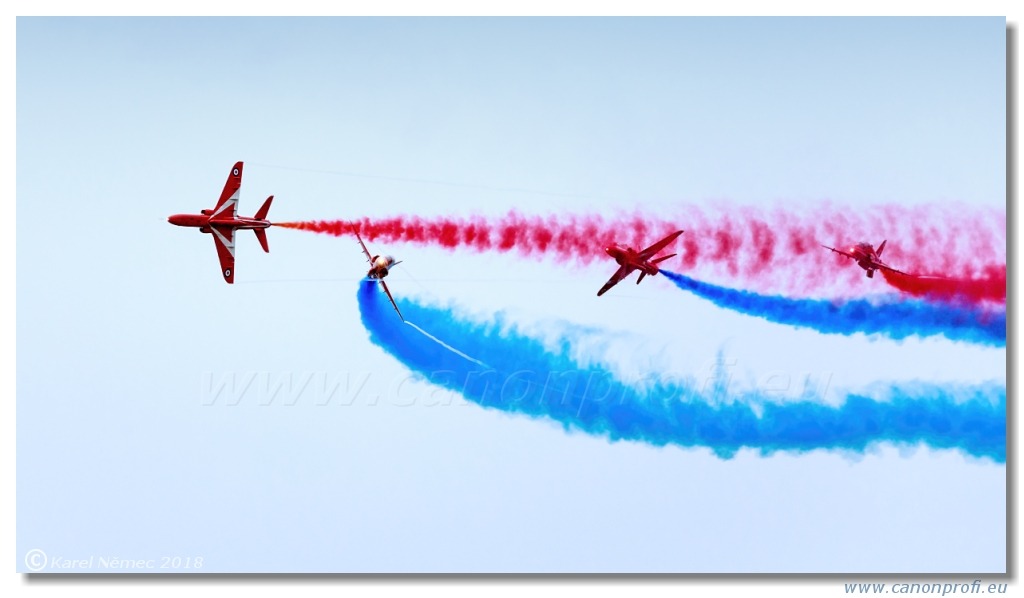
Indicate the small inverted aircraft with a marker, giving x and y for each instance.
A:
(222, 221)
(379, 266)
(630, 259)
(867, 257)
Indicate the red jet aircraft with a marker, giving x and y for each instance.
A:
(630, 259)
(867, 257)
(223, 220)
(379, 266)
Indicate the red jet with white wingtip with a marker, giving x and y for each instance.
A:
(630, 259)
(222, 221)
(867, 257)
(379, 266)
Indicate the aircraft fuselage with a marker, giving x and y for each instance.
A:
(380, 264)
(865, 256)
(203, 222)
(628, 256)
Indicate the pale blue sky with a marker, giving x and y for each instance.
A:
(123, 318)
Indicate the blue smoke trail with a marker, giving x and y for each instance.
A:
(896, 320)
(522, 376)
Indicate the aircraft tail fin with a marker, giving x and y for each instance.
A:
(262, 214)
(642, 274)
(880, 249)
(261, 234)
(663, 258)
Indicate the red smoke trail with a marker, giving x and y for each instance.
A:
(777, 250)
(990, 287)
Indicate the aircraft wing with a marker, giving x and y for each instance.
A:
(369, 258)
(227, 205)
(840, 252)
(384, 285)
(621, 273)
(882, 266)
(224, 239)
(648, 253)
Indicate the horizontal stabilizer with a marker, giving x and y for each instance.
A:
(642, 274)
(663, 258)
(264, 209)
(261, 234)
